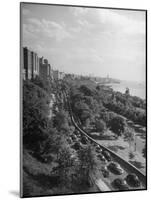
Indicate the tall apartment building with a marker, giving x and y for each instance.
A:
(35, 64)
(50, 72)
(27, 63)
(58, 75)
(55, 74)
(30, 64)
(61, 75)
(43, 68)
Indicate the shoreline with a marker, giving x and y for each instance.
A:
(121, 87)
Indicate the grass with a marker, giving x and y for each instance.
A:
(38, 178)
(35, 167)
(122, 148)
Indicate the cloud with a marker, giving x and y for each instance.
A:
(121, 22)
(85, 55)
(86, 40)
(46, 28)
(28, 32)
(25, 11)
(76, 11)
(110, 20)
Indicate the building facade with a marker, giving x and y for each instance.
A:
(44, 68)
(27, 63)
(34, 66)
(58, 75)
(55, 75)
(30, 64)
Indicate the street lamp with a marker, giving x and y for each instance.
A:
(135, 143)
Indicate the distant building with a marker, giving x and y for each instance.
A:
(22, 65)
(61, 75)
(55, 74)
(27, 63)
(44, 68)
(58, 75)
(35, 64)
(50, 74)
(30, 64)
(127, 92)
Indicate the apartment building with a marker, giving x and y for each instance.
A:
(44, 68)
(27, 63)
(30, 64)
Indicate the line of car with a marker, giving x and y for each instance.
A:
(131, 180)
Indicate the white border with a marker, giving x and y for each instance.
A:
(9, 100)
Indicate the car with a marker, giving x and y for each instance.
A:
(133, 180)
(78, 134)
(69, 140)
(46, 158)
(74, 138)
(105, 172)
(101, 157)
(120, 184)
(77, 146)
(84, 140)
(107, 155)
(98, 149)
(115, 168)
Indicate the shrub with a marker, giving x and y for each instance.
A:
(117, 125)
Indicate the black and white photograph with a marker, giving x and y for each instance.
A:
(83, 85)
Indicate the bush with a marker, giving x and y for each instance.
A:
(100, 125)
(117, 125)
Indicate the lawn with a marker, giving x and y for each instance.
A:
(122, 148)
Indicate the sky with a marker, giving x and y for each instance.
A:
(87, 41)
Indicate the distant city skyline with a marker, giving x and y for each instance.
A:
(87, 40)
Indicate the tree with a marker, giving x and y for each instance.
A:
(61, 120)
(127, 92)
(131, 155)
(98, 87)
(117, 125)
(129, 136)
(82, 111)
(35, 115)
(87, 164)
(107, 116)
(100, 125)
(144, 151)
(87, 91)
(94, 106)
(85, 117)
(66, 165)
(44, 84)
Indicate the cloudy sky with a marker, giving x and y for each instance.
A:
(87, 40)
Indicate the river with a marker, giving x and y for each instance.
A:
(136, 89)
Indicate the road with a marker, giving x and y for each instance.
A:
(102, 186)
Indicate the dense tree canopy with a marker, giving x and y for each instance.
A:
(117, 125)
(100, 125)
(35, 113)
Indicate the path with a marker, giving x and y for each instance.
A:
(102, 186)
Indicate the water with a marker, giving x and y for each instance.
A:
(136, 89)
